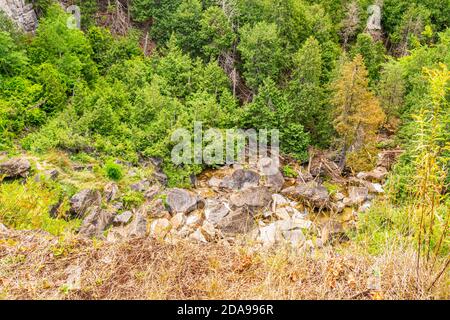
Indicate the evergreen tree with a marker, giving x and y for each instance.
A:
(358, 114)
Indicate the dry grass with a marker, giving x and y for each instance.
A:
(34, 265)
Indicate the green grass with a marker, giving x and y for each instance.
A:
(26, 206)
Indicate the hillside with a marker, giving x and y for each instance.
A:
(224, 149)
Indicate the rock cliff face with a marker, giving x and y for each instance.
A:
(21, 13)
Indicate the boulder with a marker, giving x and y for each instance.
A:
(159, 228)
(376, 175)
(83, 200)
(358, 195)
(138, 227)
(156, 209)
(281, 231)
(198, 235)
(216, 210)
(279, 201)
(214, 182)
(15, 168)
(272, 176)
(111, 191)
(151, 193)
(180, 200)
(21, 13)
(161, 177)
(96, 221)
(240, 179)
(311, 192)
(252, 197)
(194, 220)
(178, 220)
(123, 218)
(238, 221)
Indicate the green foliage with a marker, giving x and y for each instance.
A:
(25, 206)
(289, 172)
(216, 32)
(113, 170)
(260, 48)
(372, 52)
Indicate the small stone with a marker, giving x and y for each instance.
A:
(111, 191)
(140, 186)
(253, 197)
(178, 220)
(193, 220)
(215, 210)
(358, 195)
(123, 218)
(150, 194)
(156, 209)
(278, 200)
(214, 182)
(83, 200)
(240, 179)
(197, 235)
(208, 231)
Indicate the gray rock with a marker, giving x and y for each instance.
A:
(15, 168)
(252, 197)
(312, 192)
(96, 221)
(156, 209)
(214, 182)
(111, 191)
(272, 176)
(83, 200)
(138, 227)
(151, 192)
(240, 179)
(238, 221)
(180, 200)
(123, 218)
(275, 181)
(280, 231)
(216, 210)
(376, 175)
(161, 177)
(358, 195)
(21, 13)
(140, 186)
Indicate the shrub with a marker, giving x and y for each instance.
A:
(113, 170)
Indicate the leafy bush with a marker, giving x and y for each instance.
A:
(113, 170)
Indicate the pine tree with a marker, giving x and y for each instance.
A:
(357, 114)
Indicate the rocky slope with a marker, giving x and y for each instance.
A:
(313, 206)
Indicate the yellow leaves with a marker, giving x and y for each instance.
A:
(357, 109)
